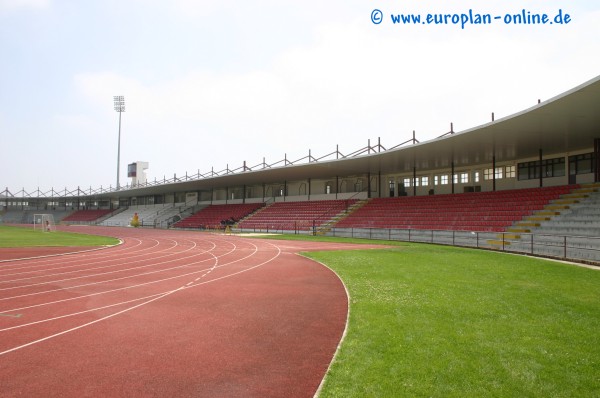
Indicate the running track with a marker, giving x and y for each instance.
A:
(170, 314)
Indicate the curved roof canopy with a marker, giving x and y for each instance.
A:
(566, 123)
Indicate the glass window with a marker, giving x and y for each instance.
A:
(499, 172)
(487, 174)
(510, 171)
(581, 164)
(548, 168)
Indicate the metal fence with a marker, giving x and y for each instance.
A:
(573, 248)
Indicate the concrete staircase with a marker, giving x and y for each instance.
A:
(325, 228)
(575, 213)
(248, 216)
(573, 221)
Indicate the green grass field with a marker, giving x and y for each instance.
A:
(437, 321)
(27, 237)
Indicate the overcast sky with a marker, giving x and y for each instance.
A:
(213, 83)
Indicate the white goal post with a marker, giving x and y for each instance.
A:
(44, 223)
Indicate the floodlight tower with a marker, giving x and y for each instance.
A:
(119, 107)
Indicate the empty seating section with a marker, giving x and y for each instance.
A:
(480, 211)
(149, 215)
(292, 216)
(87, 215)
(211, 216)
(25, 216)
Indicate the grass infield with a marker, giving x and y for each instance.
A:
(27, 237)
(437, 321)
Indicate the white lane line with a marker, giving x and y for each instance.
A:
(133, 286)
(120, 303)
(67, 263)
(37, 262)
(80, 312)
(88, 324)
(97, 274)
(88, 268)
(108, 280)
(146, 302)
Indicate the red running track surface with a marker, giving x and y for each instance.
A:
(170, 314)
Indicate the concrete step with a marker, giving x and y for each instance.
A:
(508, 236)
(575, 195)
(519, 230)
(557, 207)
(494, 242)
(527, 224)
(566, 201)
(585, 190)
(538, 218)
(546, 213)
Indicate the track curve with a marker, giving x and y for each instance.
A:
(170, 313)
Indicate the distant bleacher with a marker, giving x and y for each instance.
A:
(211, 217)
(149, 215)
(295, 216)
(477, 211)
(87, 215)
(25, 216)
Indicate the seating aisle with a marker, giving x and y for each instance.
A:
(211, 216)
(296, 216)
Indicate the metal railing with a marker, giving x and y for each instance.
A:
(585, 249)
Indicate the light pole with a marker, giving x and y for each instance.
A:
(119, 107)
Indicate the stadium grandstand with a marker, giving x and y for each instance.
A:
(527, 182)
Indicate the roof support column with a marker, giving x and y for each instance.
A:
(597, 159)
(379, 183)
(414, 181)
(541, 170)
(309, 189)
(244, 196)
(494, 173)
(337, 186)
(369, 184)
(452, 175)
